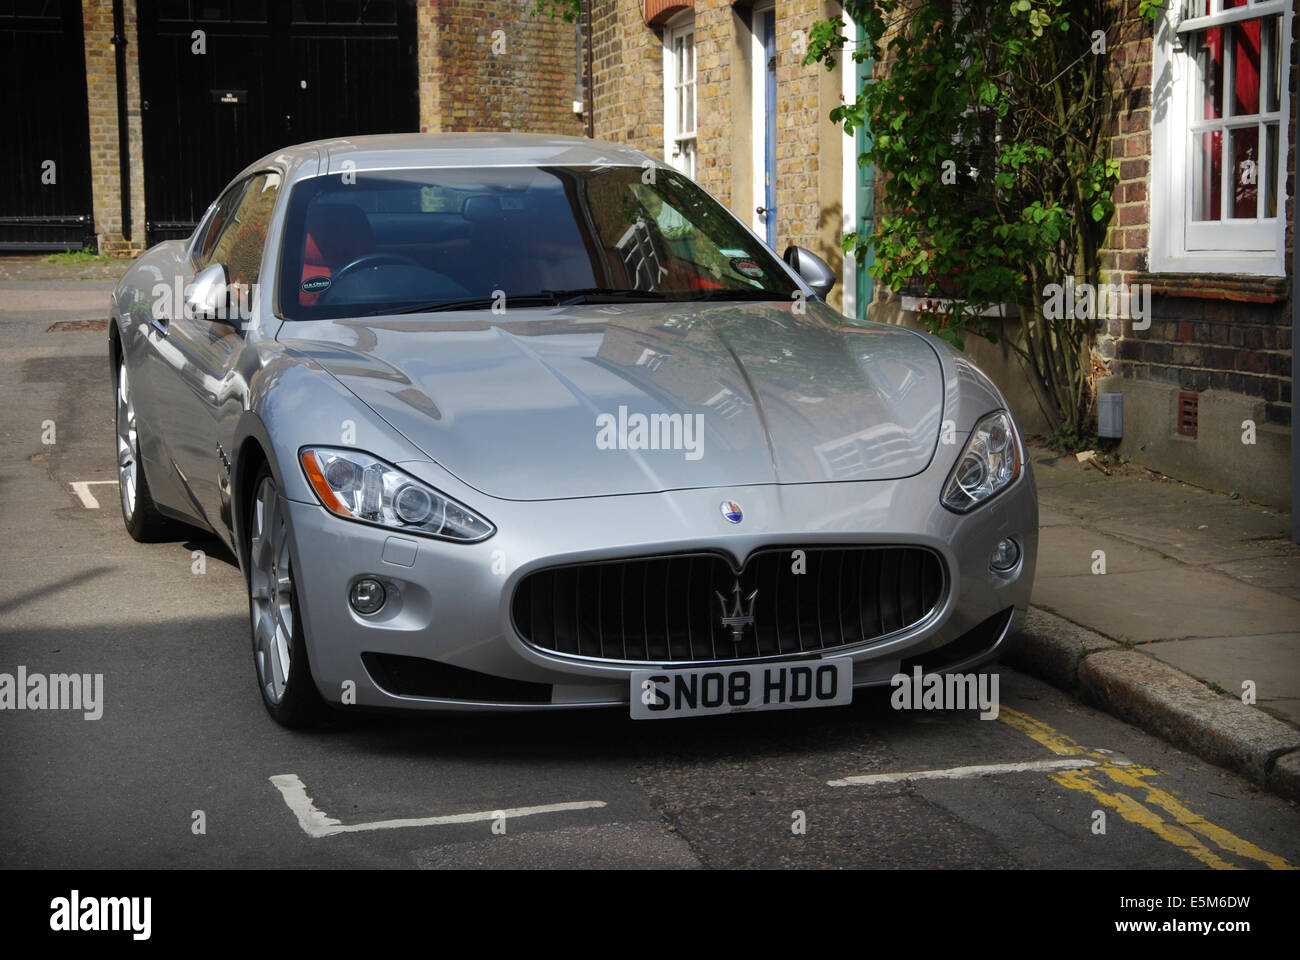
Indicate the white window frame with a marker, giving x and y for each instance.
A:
(1178, 244)
(680, 145)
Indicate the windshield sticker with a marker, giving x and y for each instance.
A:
(747, 268)
(733, 254)
(316, 284)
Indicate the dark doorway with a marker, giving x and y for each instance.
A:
(45, 199)
(275, 73)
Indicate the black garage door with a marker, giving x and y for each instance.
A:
(45, 162)
(273, 73)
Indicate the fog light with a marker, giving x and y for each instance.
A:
(367, 596)
(1005, 555)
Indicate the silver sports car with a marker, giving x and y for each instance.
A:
(508, 422)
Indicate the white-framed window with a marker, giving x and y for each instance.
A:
(679, 93)
(1219, 136)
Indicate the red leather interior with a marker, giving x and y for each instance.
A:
(337, 233)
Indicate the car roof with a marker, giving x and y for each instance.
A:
(431, 150)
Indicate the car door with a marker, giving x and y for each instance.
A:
(157, 383)
(206, 350)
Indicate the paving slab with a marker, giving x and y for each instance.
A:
(1067, 550)
(1271, 661)
(1270, 570)
(1172, 602)
(1200, 534)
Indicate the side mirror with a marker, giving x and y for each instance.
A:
(815, 271)
(209, 295)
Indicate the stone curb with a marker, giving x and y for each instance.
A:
(1161, 699)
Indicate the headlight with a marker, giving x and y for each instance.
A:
(359, 487)
(989, 463)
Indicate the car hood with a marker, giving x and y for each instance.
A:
(598, 400)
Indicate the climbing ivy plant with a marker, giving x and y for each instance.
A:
(990, 127)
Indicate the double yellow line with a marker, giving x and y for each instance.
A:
(1183, 829)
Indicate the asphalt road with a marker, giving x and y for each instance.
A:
(183, 729)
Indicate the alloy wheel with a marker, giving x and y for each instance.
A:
(271, 591)
(128, 456)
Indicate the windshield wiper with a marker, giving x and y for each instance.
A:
(477, 303)
(564, 298)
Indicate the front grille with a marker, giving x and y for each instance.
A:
(666, 609)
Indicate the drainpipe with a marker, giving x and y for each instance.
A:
(123, 129)
(1295, 326)
(588, 93)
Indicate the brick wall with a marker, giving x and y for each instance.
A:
(104, 159)
(799, 117)
(1129, 53)
(714, 103)
(1200, 343)
(1207, 332)
(527, 87)
(627, 77)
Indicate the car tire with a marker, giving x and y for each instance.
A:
(280, 659)
(143, 520)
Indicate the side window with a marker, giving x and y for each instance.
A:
(240, 239)
(224, 210)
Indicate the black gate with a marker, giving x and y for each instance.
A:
(273, 73)
(45, 200)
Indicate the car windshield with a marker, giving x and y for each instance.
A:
(359, 244)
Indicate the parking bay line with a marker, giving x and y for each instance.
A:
(963, 773)
(82, 489)
(316, 823)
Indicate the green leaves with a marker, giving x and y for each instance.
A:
(1011, 90)
(824, 40)
(566, 10)
(1149, 10)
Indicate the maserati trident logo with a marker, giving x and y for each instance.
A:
(731, 511)
(740, 616)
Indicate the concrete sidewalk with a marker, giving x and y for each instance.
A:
(1161, 602)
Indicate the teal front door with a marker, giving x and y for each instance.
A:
(865, 182)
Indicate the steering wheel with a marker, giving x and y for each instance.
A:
(373, 260)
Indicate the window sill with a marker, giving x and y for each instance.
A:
(1238, 287)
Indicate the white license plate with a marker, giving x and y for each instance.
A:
(657, 694)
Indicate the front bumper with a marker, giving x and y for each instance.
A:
(450, 603)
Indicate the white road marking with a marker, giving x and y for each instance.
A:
(963, 773)
(316, 823)
(82, 489)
